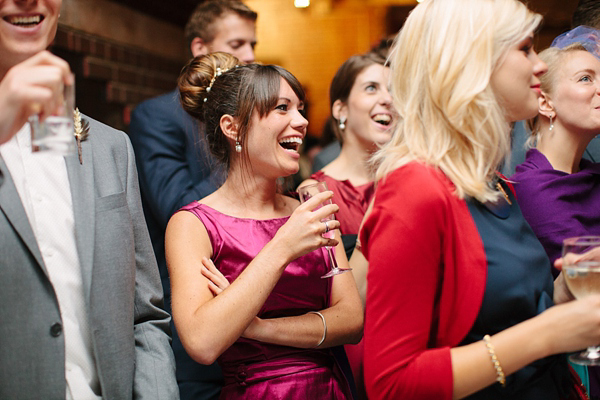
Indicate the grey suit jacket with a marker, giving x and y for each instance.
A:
(130, 331)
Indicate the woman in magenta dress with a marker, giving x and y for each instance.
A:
(245, 262)
(361, 107)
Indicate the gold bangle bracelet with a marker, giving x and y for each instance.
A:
(500, 377)
(324, 327)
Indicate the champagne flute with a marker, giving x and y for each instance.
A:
(305, 193)
(581, 270)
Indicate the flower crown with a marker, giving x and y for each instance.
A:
(218, 72)
(588, 37)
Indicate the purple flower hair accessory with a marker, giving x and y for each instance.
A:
(588, 37)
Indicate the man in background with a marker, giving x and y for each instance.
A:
(175, 166)
(81, 314)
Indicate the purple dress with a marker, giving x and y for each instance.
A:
(256, 370)
(556, 204)
(559, 205)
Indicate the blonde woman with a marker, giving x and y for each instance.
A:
(559, 191)
(459, 294)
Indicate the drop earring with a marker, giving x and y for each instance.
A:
(238, 147)
(551, 124)
(342, 123)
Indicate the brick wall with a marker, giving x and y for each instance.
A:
(111, 78)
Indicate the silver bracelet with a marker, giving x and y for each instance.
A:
(324, 327)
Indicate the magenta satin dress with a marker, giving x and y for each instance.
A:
(256, 370)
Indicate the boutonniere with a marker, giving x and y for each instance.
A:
(82, 130)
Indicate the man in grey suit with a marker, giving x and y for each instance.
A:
(81, 314)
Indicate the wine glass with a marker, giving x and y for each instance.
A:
(581, 270)
(305, 193)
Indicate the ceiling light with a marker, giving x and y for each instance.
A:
(301, 3)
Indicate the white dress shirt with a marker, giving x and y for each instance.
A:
(43, 185)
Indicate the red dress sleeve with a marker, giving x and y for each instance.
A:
(405, 239)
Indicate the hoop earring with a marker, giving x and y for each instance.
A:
(238, 147)
(551, 124)
(342, 124)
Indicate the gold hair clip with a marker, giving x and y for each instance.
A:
(217, 73)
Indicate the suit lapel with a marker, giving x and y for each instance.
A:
(11, 206)
(81, 180)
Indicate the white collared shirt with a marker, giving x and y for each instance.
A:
(43, 185)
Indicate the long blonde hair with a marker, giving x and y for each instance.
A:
(442, 61)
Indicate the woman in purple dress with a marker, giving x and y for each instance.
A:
(559, 191)
(270, 329)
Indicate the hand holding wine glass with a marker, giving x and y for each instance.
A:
(581, 271)
(305, 193)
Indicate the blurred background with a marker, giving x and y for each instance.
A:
(125, 51)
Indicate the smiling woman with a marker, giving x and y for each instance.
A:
(237, 257)
(558, 190)
(569, 118)
(361, 107)
(363, 116)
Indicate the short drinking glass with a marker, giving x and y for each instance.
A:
(56, 133)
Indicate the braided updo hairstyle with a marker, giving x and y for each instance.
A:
(237, 91)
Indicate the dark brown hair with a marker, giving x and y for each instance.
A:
(202, 21)
(344, 79)
(587, 13)
(238, 91)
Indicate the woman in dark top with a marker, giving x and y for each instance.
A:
(459, 295)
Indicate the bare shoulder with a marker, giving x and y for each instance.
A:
(184, 223)
(186, 234)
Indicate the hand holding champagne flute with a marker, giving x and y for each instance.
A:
(581, 270)
(305, 193)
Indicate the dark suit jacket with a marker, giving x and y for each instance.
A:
(122, 289)
(175, 168)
